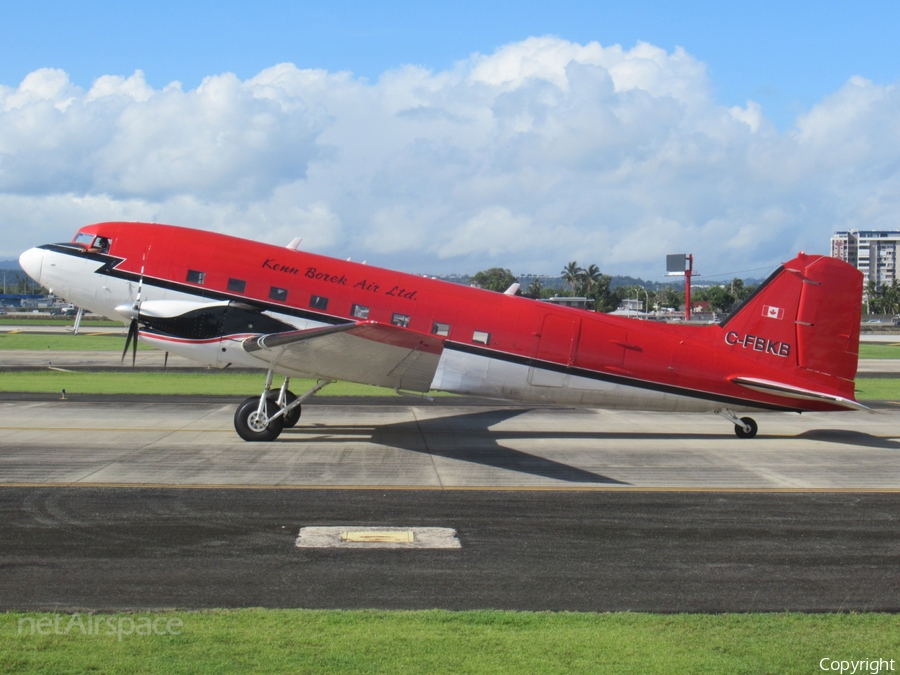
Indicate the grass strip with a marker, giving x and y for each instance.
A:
(371, 642)
(880, 350)
(203, 382)
(878, 389)
(84, 341)
(56, 321)
(228, 383)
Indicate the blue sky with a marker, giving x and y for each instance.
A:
(451, 137)
(785, 55)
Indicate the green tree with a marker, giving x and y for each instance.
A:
(494, 279)
(872, 300)
(587, 279)
(669, 297)
(720, 299)
(571, 274)
(534, 289)
(890, 302)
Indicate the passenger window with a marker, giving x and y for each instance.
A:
(360, 312)
(279, 294)
(440, 329)
(318, 302)
(237, 285)
(481, 337)
(400, 320)
(195, 277)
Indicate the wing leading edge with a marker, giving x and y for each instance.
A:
(365, 352)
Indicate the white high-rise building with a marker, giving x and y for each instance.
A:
(874, 253)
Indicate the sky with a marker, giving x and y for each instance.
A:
(451, 137)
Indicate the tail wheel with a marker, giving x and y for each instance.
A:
(746, 433)
(251, 426)
(293, 416)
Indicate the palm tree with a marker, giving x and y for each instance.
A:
(588, 279)
(890, 297)
(570, 275)
(871, 295)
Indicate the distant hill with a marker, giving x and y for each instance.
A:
(558, 282)
(10, 265)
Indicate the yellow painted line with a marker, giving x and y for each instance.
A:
(118, 429)
(466, 488)
(379, 537)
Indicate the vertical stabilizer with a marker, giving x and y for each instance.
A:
(807, 312)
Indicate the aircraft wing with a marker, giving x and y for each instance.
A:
(366, 352)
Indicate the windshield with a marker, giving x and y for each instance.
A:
(91, 242)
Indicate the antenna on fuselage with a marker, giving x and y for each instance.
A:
(512, 290)
(295, 243)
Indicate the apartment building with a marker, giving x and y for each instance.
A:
(874, 253)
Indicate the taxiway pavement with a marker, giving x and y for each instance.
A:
(443, 444)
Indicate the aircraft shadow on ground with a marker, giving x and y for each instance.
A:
(484, 449)
(849, 437)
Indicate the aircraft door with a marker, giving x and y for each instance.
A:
(555, 348)
(602, 347)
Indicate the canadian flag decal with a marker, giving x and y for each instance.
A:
(773, 312)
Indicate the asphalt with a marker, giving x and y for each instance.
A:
(69, 549)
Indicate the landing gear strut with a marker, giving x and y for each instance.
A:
(284, 399)
(744, 427)
(263, 417)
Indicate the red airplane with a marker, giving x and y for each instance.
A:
(792, 346)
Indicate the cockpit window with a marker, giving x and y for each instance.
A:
(101, 245)
(92, 242)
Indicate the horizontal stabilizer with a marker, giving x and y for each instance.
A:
(791, 391)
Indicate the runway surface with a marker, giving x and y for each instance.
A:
(128, 549)
(126, 503)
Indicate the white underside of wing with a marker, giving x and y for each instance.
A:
(368, 353)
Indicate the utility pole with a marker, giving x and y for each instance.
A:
(687, 286)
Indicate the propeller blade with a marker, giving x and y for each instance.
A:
(132, 335)
(134, 344)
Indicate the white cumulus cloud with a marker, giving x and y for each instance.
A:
(543, 152)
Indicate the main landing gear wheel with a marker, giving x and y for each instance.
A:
(746, 433)
(251, 426)
(291, 418)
